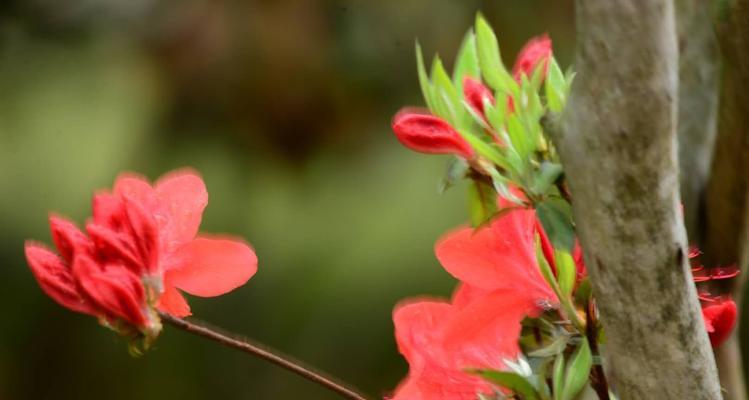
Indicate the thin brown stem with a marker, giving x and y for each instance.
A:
(263, 352)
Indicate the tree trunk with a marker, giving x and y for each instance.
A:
(618, 144)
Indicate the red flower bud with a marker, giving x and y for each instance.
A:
(719, 319)
(536, 50)
(476, 94)
(426, 133)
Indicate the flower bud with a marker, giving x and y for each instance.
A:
(476, 94)
(535, 50)
(426, 133)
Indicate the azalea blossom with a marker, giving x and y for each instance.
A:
(480, 327)
(140, 249)
(441, 339)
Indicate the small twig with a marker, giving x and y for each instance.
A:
(260, 351)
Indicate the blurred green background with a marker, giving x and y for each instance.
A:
(284, 107)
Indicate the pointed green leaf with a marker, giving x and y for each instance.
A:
(490, 60)
(482, 202)
(556, 87)
(456, 170)
(519, 139)
(546, 176)
(510, 380)
(424, 82)
(556, 218)
(578, 371)
(555, 347)
(558, 376)
(466, 62)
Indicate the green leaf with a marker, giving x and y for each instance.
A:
(556, 88)
(555, 347)
(556, 218)
(444, 97)
(566, 271)
(546, 176)
(490, 60)
(484, 149)
(482, 202)
(456, 170)
(510, 380)
(519, 139)
(578, 371)
(495, 115)
(582, 294)
(424, 82)
(466, 62)
(558, 376)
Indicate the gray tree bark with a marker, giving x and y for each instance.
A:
(618, 144)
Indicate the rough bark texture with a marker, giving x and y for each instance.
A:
(618, 144)
(698, 106)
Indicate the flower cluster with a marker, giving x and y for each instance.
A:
(501, 284)
(522, 319)
(139, 248)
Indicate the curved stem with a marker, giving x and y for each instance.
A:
(247, 346)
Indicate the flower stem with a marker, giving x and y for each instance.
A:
(263, 352)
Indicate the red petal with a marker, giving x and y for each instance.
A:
(546, 246)
(407, 390)
(136, 188)
(115, 290)
(55, 278)
(437, 368)
(429, 134)
(111, 245)
(476, 94)
(210, 267)
(145, 233)
(418, 330)
(67, 237)
(578, 256)
(182, 197)
(108, 211)
(466, 294)
(172, 302)
(720, 320)
(536, 50)
(487, 331)
(500, 256)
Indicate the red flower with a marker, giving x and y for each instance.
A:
(536, 50)
(719, 319)
(426, 133)
(480, 328)
(499, 256)
(441, 340)
(141, 247)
